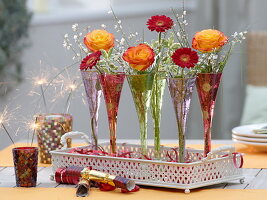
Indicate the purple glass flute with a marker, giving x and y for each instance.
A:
(25, 165)
(181, 92)
(93, 93)
(112, 87)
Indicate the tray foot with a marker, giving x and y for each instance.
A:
(242, 180)
(186, 191)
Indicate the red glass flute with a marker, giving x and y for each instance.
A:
(207, 88)
(112, 86)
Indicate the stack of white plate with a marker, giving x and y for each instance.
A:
(245, 135)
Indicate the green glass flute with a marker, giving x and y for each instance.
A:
(141, 88)
(156, 105)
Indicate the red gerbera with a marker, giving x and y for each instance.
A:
(159, 23)
(185, 57)
(90, 60)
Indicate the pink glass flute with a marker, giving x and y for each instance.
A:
(112, 86)
(207, 88)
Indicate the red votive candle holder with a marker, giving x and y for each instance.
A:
(25, 165)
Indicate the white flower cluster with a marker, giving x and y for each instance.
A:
(77, 38)
(182, 18)
(118, 27)
(209, 59)
(132, 35)
(66, 42)
(74, 27)
(238, 37)
(180, 32)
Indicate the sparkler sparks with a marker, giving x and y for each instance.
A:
(66, 85)
(72, 86)
(40, 81)
(32, 125)
(8, 115)
(5, 117)
(43, 83)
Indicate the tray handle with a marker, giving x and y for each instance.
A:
(69, 136)
(229, 148)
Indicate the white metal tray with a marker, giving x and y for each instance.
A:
(221, 165)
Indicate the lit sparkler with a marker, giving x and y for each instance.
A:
(66, 85)
(5, 117)
(41, 81)
(31, 126)
(53, 78)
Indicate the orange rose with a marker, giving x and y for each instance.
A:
(99, 39)
(209, 40)
(139, 57)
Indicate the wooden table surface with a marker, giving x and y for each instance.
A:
(254, 178)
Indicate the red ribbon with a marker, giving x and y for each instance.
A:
(235, 159)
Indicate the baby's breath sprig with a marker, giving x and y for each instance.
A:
(118, 26)
(181, 34)
(78, 40)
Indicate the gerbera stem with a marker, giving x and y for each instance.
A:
(183, 73)
(159, 51)
(159, 47)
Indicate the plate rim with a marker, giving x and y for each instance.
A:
(249, 139)
(250, 143)
(249, 135)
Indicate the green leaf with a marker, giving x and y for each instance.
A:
(104, 53)
(110, 52)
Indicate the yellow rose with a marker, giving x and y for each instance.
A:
(209, 40)
(99, 39)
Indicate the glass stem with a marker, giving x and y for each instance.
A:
(157, 138)
(112, 128)
(181, 141)
(207, 139)
(156, 117)
(143, 133)
(94, 132)
(207, 133)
